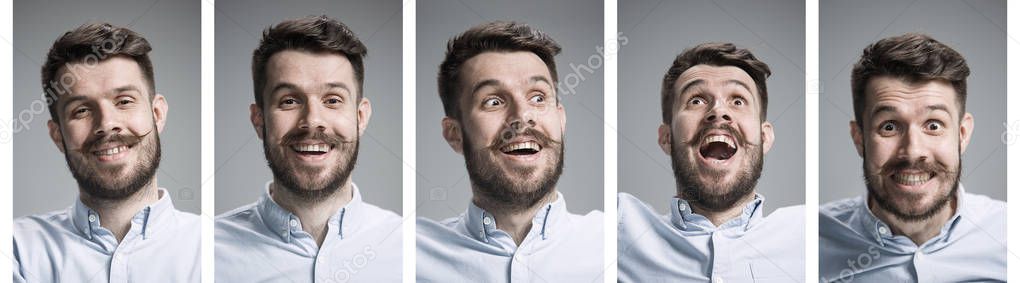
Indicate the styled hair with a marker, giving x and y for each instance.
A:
(913, 58)
(91, 43)
(316, 34)
(490, 37)
(714, 54)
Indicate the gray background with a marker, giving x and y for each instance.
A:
(241, 169)
(976, 29)
(659, 30)
(42, 180)
(443, 185)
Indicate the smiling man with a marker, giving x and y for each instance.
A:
(498, 88)
(714, 103)
(106, 120)
(916, 223)
(311, 224)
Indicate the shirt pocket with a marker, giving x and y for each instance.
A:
(766, 271)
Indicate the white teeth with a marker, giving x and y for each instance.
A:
(720, 138)
(521, 145)
(912, 179)
(311, 147)
(111, 151)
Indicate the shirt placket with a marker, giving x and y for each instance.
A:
(720, 257)
(120, 259)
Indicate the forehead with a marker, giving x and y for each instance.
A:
(105, 76)
(309, 70)
(509, 68)
(891, 91)
(714, 76)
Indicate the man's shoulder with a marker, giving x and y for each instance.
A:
(48, 222)
(840, 209)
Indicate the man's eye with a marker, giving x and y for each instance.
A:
(125, 102)
(332, 100)
(697, 101)
(538, 99)
(492, 102)
(739, 102)
(888, 127)
(80, 112)
(935, 126)
(289, 101)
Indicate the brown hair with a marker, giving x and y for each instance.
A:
(312, 34)
(911, 57)
(91, 43)
(490, 37)
(715, 54)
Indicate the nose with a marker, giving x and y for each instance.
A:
(912, 146)
(107, 121)
(521, 115)
(718, 114)
(312, 118)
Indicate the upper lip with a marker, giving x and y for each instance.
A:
(730, 139)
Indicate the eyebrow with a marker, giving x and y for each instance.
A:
(329, 85)
(700, 82)
(497, 83)
(890, 108)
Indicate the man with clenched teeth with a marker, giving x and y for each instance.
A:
(106, 120)
(498, 88)
(311, 224)
(714, 103)
(916, 223)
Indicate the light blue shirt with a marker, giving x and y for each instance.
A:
(162, 245)
(560, 247)
(262, 242)
(855, 246)
(686, 247)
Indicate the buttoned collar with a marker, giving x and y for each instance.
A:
(146, 221)
(482, 225)
(286, 225)
(684, 218)
(867, 223)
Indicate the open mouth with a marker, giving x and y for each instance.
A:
(521, 148)
(912, 178)
(311, 149)
(114, 152)
(719, 147)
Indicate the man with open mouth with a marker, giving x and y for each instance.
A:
(310, 110)
(106, 118)
(714, 128)
(916, 223)
(498, 88)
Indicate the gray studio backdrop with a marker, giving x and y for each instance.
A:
(657, 31)
(976, 29)
(241, 169)
(443, 186)
(42, 180)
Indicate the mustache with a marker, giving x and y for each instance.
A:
(92, 143)
(894, 166)
(303, 135)
(702, 134)
(509, 134)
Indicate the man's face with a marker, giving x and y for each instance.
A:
(108, 128)
(511, 130)
(911, 139)
(311, 121)
(717, 138)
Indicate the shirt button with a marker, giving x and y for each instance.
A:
(919, 254)
(92, 218)
(882, 230)
(293, 223)
(487, 220)
(717, 279)
(683, 206)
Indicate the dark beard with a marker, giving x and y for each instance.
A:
(701, 195)
(96, 184)
(500, 191)
(309, 190)
(885, 202)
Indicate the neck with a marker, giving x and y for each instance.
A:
(918, 231)
(116, 215)
(314, 215)
(514, 221)
(718, 217)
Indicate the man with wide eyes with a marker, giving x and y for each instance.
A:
(498, 88)
(311, 224)
(915, 223)
(106, 120)
(714, 103)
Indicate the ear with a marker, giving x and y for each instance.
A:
(855, 134)
(452, 134)
(966, 129)
(768, 136)
(58, 139)
(256, 120)
(563, 117)
(364, 114)
(665, 139)
(159, 111)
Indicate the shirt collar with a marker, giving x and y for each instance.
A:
(284, 224)
(150, 218)
(880, 232)
(685, 219)
(481, 224)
